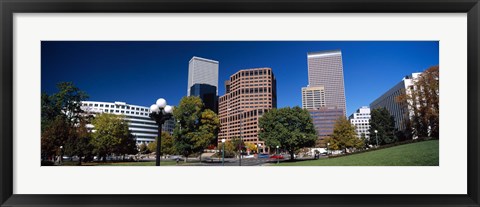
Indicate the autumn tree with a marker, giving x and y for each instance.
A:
(251, 146)
(344, 136)
(423, 101)
(53, 136)
(61, 117)
(196, 127)
(289, 128)
(230, 148)
(383, 122)
(79, 142)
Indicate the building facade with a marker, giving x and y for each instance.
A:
(202, 71)
(249, 94)
(324, 120)
(325, 69)
(324, 97)
(400, 111)
(361, 120)
(313, 97)
(142, 127)
(207, 93)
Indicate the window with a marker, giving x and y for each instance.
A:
(101, 105)
(96, 105)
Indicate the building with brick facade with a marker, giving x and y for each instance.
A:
(249, 94)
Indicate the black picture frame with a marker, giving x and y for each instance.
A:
(10, 7)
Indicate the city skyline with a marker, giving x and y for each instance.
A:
(141, 72)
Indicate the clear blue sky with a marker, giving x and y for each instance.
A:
(140, 72)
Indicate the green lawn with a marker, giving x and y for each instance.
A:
(415, 154)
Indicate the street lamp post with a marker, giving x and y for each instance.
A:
(328, 145)
(223, 152)
(258, 150)
(376, 137)
(61, 155)
(278, 156)
(160, 112)
(241, 140)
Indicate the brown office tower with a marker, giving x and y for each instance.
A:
(249, 94)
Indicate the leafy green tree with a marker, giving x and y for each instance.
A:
(79, 143)
(290, 128)
(168, 144)
(383, 122)
(196, 128)
(230, 149)
(143, 149)
(238, 145)
(344, 135)
(111, 132)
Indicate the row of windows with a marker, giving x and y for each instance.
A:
(250, 73)
(115, 106)
(125, 112)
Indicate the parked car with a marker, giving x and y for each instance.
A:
(263, 156)
(277, 157)
(175, 157)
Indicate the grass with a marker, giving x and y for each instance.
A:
(119, 163)
(424, 153)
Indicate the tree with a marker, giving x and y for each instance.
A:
(383, 122)
(79, 143)
(196, 128)
(143, 148)
(54, 135)
(344, 135)
(168, 144)
(289, 128)
(68, 100)
(111, 133)
(423, 100)
(238, 145)
(251, 146)
(230, 148)
(61, 121)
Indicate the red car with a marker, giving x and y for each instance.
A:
(275, 157)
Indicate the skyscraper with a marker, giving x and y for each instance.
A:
(202, 71)
(325, 69)
(324, 97)
(249, 94)
(208, 94)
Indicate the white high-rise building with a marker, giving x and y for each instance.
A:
(361, 120)
(140, 124)
(325, 69)
(313, 97)
(399, 111)
(202, 71)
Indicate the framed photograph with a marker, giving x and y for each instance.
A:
(236, 103)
